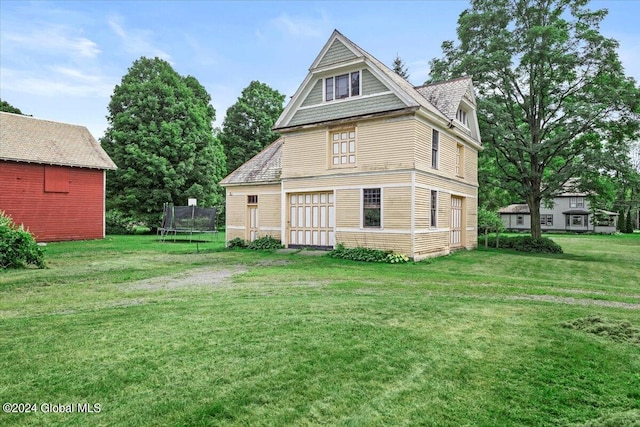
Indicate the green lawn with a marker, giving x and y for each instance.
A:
(179, 334)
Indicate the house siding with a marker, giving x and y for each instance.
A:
(337, 52)
(315, 95)
(269, 210)
(54, 216)
(371, 84)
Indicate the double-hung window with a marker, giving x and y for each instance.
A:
(576, 202)
(371, 208)
(434, 208)
(435, 147)
(342, 86)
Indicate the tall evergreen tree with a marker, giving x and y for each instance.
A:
(552, 92)
(161, 137)
(247, 127)
(399, 68)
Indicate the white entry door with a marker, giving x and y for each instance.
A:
(456, 221)
(252, 219)
(311, 219)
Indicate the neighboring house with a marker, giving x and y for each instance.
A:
(52, 178)
(365, 160)
(570, 212)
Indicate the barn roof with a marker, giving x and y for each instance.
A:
(32, 140)
(264, 167)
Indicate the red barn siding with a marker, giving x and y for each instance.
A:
(53, 216)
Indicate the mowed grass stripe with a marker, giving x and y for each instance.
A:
(294, 340)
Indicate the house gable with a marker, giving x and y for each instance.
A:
(378, 92)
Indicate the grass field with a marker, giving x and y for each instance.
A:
(174, 334)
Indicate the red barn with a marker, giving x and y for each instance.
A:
(52, 178)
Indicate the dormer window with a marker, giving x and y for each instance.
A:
(461, 116)
(342, 86)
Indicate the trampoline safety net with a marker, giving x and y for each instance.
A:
(187, 219)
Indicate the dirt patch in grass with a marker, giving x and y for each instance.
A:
(615, 330)
(577, 301)
(198, 277)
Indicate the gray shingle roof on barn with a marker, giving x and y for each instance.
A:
(32, 140)
(264, 167)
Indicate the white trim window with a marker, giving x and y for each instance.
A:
(576, 202)
(546, 219)
(372, 208)
(342, 86)
(434, 209)
(435, 148)
(343, 148)
(462, 117)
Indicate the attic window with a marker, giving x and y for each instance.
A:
(461, 116)
(342, 86)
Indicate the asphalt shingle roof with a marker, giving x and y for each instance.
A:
(266, 166)
(32, 140)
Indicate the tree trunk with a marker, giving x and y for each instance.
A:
(534, 210)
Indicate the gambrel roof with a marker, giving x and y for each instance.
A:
(31, 140)
(264, 167)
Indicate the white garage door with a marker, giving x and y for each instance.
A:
(311, 219)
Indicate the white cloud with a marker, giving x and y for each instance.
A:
(56, 40)
(62, 82)
(136, 41)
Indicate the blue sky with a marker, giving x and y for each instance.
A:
(60, 60)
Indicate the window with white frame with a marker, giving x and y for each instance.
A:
(460, 160)
(546, 219)
(461, 116)
(576, 202)
(371, 207)
(435, 147)
(343, 147)
(342, 86)
(434, 208)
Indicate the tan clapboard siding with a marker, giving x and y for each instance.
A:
(236, 211)
(231, 234)
(422, 145)
(447, 160)
(443, 184)
(338, 52)
(366, 180)
(396, 208)
(385, 241)
(347, 205)
(431, 243)
(305, 153)
(470, 166)
(315, 96)
(386, 144)
(422, 206)
(269, 208)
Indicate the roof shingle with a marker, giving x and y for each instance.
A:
(32, 140)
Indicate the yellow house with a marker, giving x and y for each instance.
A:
(365, 160)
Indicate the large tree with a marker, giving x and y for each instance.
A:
(247, 126)
(8, 108)
(161, 137)
(552, 92)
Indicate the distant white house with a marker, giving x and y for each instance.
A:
(570, 212)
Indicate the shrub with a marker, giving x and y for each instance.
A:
(18, 248)
(367, 255)
(236, 243)
(525, 244)
(116, 222)
(266, 242)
